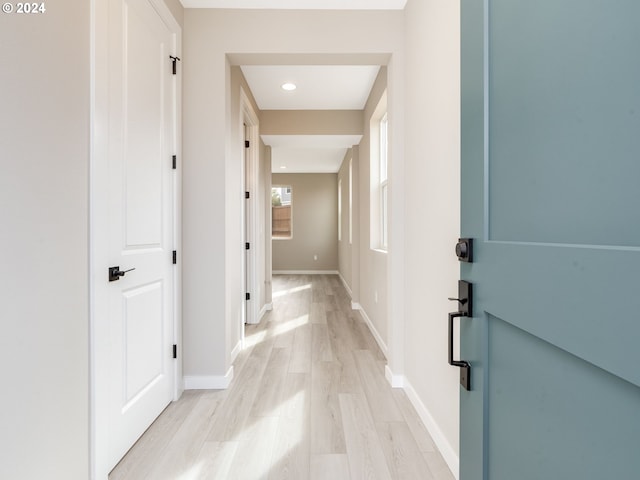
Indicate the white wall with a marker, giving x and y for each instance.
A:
(432, 218)
(44, 157)
(212, 189)
(373, 272)
(315, 223)
(345, 247)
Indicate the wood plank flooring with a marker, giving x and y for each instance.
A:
(309, 401)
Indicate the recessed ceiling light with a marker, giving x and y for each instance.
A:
(283, 167)
(288, 86)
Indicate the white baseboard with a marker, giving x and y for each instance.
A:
(396, 381)
(446, 449)
(208, 382)
(346, 286)
(305, 272)
(265, 308)
(236, 350)
(374, 332)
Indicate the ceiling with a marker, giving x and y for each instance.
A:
(308, 153)
(319, 87)
(299, 4)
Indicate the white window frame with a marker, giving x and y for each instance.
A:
(378, 173)
(350, 201)
(340, 210)
(290, 237)
(383, 180)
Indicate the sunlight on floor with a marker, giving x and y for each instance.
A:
(193, 473)
(285, 327)
(282, 293)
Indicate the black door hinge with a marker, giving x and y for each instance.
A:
(174, 60)
(247, 195)
(247, 246)
(247, 296)
(174, 161)
(246, 144)
(175, 351)
(175, 257)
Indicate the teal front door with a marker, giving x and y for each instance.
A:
(551, 197)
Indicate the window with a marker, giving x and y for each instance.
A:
(384, 150)
(379, 166)
(350, 201)
(340, 210)
(281, 212)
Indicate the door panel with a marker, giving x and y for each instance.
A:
(143, 339)
(571, 432)
(563, 97)
(141, 222)
(550, 148)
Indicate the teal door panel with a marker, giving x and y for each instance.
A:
(550, 193)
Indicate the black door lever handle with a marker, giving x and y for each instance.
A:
(461, 300)
(115, 273)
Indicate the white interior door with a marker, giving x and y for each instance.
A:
(140, 222)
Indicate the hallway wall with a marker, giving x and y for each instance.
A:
(315, 223)
(44, 207)
(213, 41)
(373, 273)
(345, 245)
(432, 192)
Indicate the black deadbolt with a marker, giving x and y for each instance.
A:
(464, 249)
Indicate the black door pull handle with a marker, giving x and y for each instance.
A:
(465, 292)
(465, 367)
(115, 273)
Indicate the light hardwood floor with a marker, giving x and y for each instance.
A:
(309, 401)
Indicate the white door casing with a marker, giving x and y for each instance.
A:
(249, 127)
(135, 224)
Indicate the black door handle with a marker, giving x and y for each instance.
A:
(465, 367)
(115, 273)
(464, 301)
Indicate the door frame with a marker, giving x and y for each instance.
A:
(100, 31)
(250, 215)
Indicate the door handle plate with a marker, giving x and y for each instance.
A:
(115, 273)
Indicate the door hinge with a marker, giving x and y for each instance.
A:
(174, 60)
(174, 161)
(175, 257)
(247, 296)
(247, 195)
(246, 144)
(247, 246)
(175, 351)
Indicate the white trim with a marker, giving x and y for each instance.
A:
(346, 287)
(265, 308)
(208, 382)
(250, 207)
(396, 381)
(236, 350)
(446, 449)
(374, 332)
(305, 272)
(297, 5)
